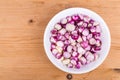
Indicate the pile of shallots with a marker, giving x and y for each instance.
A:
(75, 40)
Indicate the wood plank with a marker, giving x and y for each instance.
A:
(22, 25)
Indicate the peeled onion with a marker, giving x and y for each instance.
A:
(76, 40)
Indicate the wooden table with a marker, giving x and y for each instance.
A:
(22, 25)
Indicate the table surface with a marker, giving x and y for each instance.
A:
(22, 25)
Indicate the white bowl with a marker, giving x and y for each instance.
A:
(105, 35)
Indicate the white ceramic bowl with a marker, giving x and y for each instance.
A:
(105, 35)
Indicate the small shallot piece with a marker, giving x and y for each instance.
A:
(75, 17)
(78, 65)
(70, 65)
(75, 54)
(58, 56)
(58, 26)
(79, 39)
(52, 40)
(81, 50)
(85, 32)
(73, 62)
(62, 31)
(54, 51)
(64, 21)
(89, 36)
(66, 54)
(70, 27)
(96, 56)
(83, 60)
(92, 41)
(74, 35)
(80, 23)
(84, 44)
(66, 61)
(60, 43)
(90, 57)
(69, 48)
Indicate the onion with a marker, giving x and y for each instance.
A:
(84, 38)
(54, 51)
(70, 65)
(71, 40)
(66, 61)
(90, 57)
(72, 22)
(79, 39)
(75, 17)
(87, 53)
(84, 24)
(73, 62)
(59, 49)
(67, 35)
(95, 49)
(98, 42)
(81, 50)
(63, 38)
(90, 25)
(53, 45)
(65, 47)
(58, 56)
(81, 16)
(74, 58)
(83, 60)
(85, 32)
(67, 42)
(98, 29)
(58, 26)
(78, 45)
(76, 40)
(92, 29)
(68, 18)
(79, 56)
(74, 48)
(54, 31)
(88, 47)
(96, 56)
(58, 36)
(84, 44)
(70, 27)
(52, 40)
(80, 23)
(62, 31)
(74, 35)
(78, 65)
(91, 21)
(74, 54)
(95, 24)
(96, 35)
(66, 54)
(92, 41)
(69, 48)
(64, 21)
(60, 43)
(86, 18)
(61, 59)
(81, 29)
(89, 36)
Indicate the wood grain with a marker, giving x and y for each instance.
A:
(22, 25)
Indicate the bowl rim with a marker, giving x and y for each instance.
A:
(108, 49)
